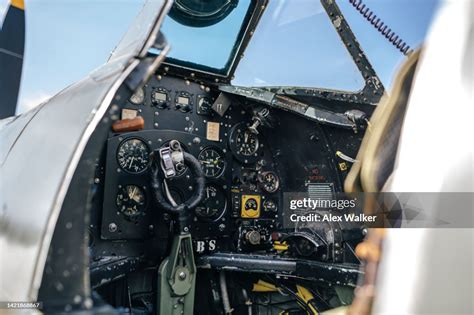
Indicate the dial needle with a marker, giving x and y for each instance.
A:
(133, 193)
(131, 161)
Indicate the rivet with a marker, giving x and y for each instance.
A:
(112, 227)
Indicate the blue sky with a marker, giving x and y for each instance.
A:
(66, 39)
(317, 57)
(408, 18)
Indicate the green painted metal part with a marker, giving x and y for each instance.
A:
(177, 279)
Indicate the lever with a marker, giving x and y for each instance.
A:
(177, 272)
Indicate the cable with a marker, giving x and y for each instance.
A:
(224, 293)
(298, 298)
(369, 125)
(381, 27)
(308, 298)
(303, 296)
(168, 194)
(344, 157)
(248, 301)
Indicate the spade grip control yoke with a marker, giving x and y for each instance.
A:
(177, 273)
(167, 162)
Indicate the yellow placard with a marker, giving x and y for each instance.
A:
(246, 211)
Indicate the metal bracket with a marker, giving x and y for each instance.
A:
(373, 89)
(148, 65)
(177, 278)
(260, 117)
(273, 100)
(373, 86)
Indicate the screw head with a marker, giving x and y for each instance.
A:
(112, 227)
(182, 275)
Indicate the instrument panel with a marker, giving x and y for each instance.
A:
(246, 172)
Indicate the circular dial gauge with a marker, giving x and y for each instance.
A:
(204, 105)
(245, 146)
(133, 155)
(270, 206)
(251, 204)
(213, 205)
(269, 181)
(247, 142)
(212, 162)
(138, 97)
(159, 98)
(131, 200)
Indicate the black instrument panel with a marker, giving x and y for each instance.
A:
(181, 187)
(246, 172)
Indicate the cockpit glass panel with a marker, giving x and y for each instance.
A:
(206, 44)
(295, 44)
